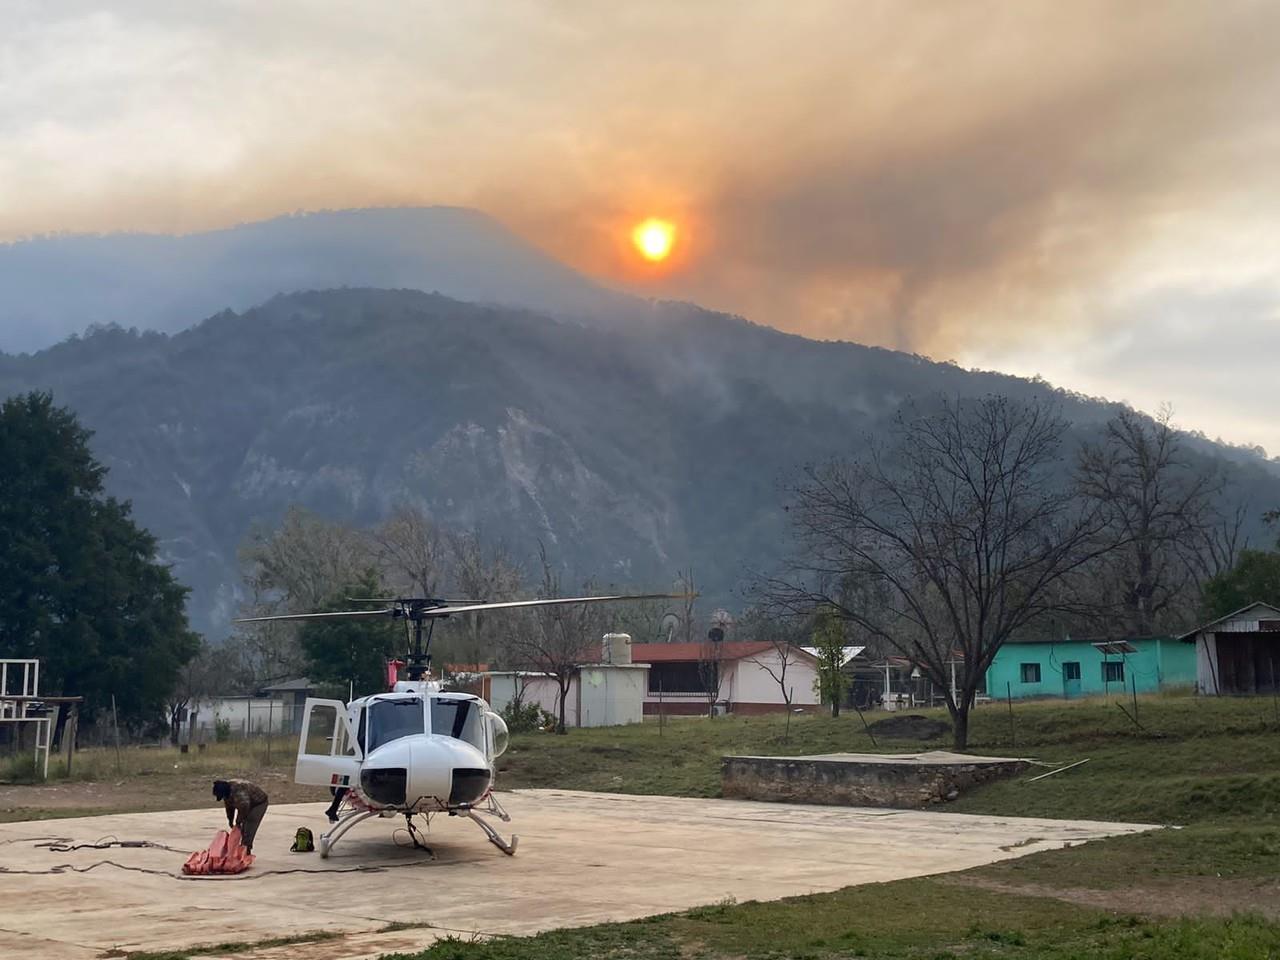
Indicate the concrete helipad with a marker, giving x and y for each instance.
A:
(583, 858)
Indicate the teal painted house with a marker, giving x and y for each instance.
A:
(1082, 668)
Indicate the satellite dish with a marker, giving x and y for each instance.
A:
(666, 630)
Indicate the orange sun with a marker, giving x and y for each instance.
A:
(654, 238)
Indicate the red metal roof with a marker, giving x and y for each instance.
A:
(692, 652)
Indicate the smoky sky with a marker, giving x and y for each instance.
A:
(1084, 190)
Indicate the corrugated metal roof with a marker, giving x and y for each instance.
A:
(1244, 620)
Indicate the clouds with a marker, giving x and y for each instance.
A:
(970, 180)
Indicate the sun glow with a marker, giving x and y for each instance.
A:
(654, 238)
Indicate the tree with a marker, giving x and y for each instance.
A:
(782, 637)
(711, 670)
(1256, 576)
(1160, 520)
(686, 616)
(80, 585)
(301, 564)
(943, 542)
(352, 654)
(411, 550)
(828, 640)
(555, 639)
(204, 674)
(300, 567)
(483, 569)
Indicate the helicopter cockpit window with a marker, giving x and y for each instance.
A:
(387, 720)
(459, 719)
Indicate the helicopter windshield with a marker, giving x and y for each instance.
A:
(459, 719)
(392, 719)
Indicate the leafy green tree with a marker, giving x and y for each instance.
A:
(80, 586)
(1256, 576)
(828, 639)
(352, 652)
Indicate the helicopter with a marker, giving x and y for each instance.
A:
(415, 750)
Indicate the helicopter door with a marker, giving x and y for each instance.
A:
(328, 752)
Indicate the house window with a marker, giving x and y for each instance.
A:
(1030, 673)
(677, 677)
(1071, 670)
(1113, 671)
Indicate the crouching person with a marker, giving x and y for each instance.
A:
(246, 804)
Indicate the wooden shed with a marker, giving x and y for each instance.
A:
(1238, 653)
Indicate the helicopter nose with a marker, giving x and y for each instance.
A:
(411, 770)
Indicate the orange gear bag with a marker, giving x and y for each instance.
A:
(225, 855)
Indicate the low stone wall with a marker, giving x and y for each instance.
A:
(861, 780)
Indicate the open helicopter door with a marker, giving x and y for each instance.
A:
(328, 751)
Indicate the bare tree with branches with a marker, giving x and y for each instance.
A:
(556, 640)
(303, 562)
(944, 542)
(687, 612)
(412, 551)
(711, 671)
(784, 636)
(1162, 525)
(483, 569)
(295, 568)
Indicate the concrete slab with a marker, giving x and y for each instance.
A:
(584, 858)
(902, 780)
(930, 758)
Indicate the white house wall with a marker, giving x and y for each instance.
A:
(244, 715)
(541, 690)
(1207, 663)
(751, 682)
(608, 696)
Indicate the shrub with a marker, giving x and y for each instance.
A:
(524, 717)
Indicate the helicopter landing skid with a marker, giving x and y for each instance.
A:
(492, 806)
(494, 837)
(327, 840)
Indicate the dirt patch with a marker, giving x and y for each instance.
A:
(138, 794)
(911, 726)
(1187, 896)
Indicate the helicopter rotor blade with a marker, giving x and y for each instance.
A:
(436, 601)
(550, 602)
(339, 615)
(453, 607)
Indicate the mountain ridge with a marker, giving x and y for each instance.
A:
(54, 286)
(631, 449)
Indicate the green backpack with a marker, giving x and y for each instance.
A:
(302, 842)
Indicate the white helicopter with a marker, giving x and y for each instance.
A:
(415, 750)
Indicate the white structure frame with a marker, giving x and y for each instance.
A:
(15, 706)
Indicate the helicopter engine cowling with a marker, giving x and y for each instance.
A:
(425, 772)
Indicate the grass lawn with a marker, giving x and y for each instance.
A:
(1208, 890)
(1198, 759)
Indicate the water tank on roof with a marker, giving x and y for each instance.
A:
(617, 648)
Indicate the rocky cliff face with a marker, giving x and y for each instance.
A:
(630, 449)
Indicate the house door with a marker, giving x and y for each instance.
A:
(1235, 664)
(1071, 679)
(328, 751)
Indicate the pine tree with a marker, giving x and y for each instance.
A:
(80, 586)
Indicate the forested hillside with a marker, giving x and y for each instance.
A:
(631, 451)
